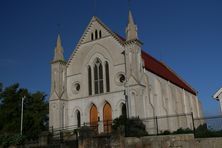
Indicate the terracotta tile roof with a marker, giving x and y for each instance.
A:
(153, 65)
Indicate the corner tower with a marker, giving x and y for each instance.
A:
(57, 98)
(133, 50)
(58, 68)
(134, 70)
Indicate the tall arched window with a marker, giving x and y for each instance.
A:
(107, 76)
(91, 36)
(96, 34)
(98, 77)
(100, 34)
(123, 109)
(78, 118)
(89, 80)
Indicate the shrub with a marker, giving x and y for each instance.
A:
(86, 132)
(183, 131)
(7, 140)
(202, 132)
(132, 127)
(166, 132)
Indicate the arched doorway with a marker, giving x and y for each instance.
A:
(107, 117)
(94, 117)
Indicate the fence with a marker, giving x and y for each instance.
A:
(208, 127)
(168, 124)
(159, 125)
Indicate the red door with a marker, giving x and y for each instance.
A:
(107, 118)
(94, 117)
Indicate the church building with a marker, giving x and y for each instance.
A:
(108, 75)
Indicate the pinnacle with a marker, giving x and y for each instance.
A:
(131, 29)
(58, 50)
(59, 42)
(130, 18)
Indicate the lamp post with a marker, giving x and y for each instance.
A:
(22, 114)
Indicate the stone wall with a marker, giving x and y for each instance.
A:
(166, 141)
(172, 141)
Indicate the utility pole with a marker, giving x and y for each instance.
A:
(22, 113)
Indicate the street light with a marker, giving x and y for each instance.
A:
(22, 113)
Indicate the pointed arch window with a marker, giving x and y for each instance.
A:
(107, 76)
(78, 117)
(100, 34)
(96, 34)
(123, 109)
(89, 80)
(98, 77)
(91, 36)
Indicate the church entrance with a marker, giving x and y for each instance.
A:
(94, 118)
(107, 118)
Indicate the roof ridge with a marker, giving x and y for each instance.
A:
(170, 69)
(170, 72)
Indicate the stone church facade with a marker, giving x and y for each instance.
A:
(107, 76)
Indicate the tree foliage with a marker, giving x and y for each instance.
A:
(203, 132)
(35, 118)
(132, 127)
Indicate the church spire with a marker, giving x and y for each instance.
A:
(130, 18)
(58, 50)
(131, 29)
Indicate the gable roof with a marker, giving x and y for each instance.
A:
(159, 68)
(94, 18)
(153, 65)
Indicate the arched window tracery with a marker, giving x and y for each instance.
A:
(98, 77)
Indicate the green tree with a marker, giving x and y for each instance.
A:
(35, 117)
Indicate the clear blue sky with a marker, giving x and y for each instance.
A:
(185, 34)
